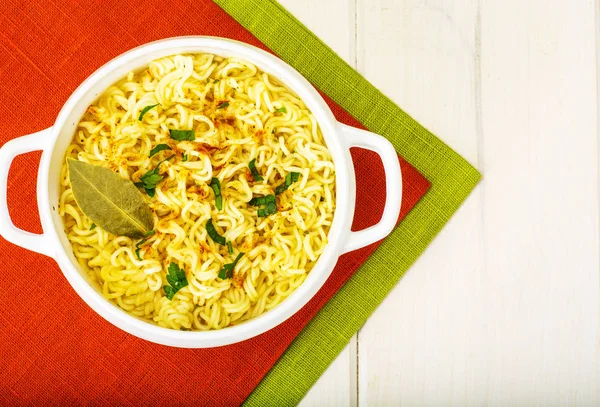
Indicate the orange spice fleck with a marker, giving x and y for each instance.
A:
(237, 280)
(259, 136)
(247, 175)
(204, 247)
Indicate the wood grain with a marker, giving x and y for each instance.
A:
(409, 351)
(504, 306)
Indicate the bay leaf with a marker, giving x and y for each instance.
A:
(110, 201)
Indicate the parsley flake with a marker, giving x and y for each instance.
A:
(159, 148)
(138, 245)
(182, 135)
(214, 235)
(227, 270)
(177, 280)
(216, 187)
(145, 110)
(270, 209)
(255, 175)
(151, 178)
(289, 180)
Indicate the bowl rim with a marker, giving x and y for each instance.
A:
(337, 235)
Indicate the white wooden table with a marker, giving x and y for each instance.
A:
(504, 306)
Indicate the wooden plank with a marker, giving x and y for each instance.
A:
(423, 56)
(540, 113)
(503, 308)
(333, 22)
(336, 387)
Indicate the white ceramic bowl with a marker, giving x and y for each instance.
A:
(55, 140)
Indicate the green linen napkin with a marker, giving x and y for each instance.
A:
(452, 179)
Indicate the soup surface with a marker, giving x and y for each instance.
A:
(238, 180)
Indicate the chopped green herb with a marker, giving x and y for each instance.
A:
(269, 201)
(214, 235)
(229, 248)
(184, 158)
(145, 110)
(223, 105)
(216, 187)
(181, 135)
(270, 209)
(262, 200)
(93, 226)
(159, 148)
(274, 130)
(254, 171)
(151, 178)
(281, 110)
(227, 270)
(177, 280)
(289, 180)
(217, 81)
(138, 245)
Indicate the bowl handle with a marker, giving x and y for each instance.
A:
(21, 145)
(354, 137)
